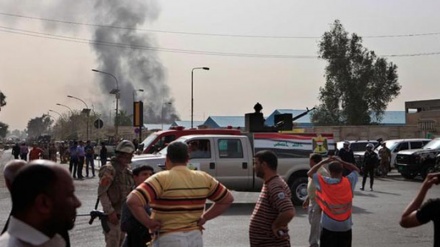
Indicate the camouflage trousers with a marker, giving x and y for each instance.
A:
(384, 168)
(115, 236)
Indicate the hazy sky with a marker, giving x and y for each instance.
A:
(39, 68)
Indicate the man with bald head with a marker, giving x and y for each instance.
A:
(9, 171)
(43, 205)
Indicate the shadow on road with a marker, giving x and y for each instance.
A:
(358, 210)
(248, 208)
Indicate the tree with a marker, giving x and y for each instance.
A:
(124, 119)
(39, 126)
(2, 99)
(358, 83)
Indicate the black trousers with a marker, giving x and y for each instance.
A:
(73, 164)
(368, 170)
(335, 239)
(80, 166)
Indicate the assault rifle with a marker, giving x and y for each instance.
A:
(102, 217)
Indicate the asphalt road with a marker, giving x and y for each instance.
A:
(375, 215)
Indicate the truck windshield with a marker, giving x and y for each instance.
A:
(434, 144)
(147, 142)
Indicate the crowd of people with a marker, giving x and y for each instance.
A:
(76, 153)
(168, 208)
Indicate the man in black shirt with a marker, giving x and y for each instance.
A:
(346, 154)
(417, 214)
(371, 160)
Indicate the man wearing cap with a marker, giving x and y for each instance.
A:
(115, 183)
(346, 154)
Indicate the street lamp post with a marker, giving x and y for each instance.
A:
(56, 113)
(70, 109)
(161, 116)
(87, 111)
(192, 92)
(116, 93)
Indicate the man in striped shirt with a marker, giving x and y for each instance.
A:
(177, 198)
(274, 209)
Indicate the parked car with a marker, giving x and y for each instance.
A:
(397, 145)
(411, 163)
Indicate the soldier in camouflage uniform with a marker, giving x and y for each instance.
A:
(115, 184)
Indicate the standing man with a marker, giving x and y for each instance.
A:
(115, 182)
(177, 197)
(24, 150)
(90, 156)
(417, 214)
(62, 150)
(371, 160)
(103, 154)
(73, 163)
(35, 152)
(385, 158)
(137, 235)
(16, 151)
(41, 211)
(346, 154)
(274, 209)
(81, 156)
(334, 195)
(312, 205)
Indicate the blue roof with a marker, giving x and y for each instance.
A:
(388, 118)
(392, 118)
(225, 121)
(302, 121)
(156, 126)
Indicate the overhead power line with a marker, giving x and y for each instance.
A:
(172, 50)
(210, 34)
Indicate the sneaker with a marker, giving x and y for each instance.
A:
(371, 189)
(362, 188)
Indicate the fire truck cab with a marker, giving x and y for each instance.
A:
(160, 139)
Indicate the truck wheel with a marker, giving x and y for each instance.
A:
(426, 170)
(408, 175)
(298, 188)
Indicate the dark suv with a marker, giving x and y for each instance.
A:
(411, 163)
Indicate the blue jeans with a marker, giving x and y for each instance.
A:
(180, 239)
(89, 160)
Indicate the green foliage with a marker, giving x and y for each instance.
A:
(124, 119)
(39, 126)
(358, 83)
(2, 99)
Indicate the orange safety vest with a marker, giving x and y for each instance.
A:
(335, 199)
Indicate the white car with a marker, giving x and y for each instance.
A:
(397, 145)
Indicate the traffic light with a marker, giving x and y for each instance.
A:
(138, 114)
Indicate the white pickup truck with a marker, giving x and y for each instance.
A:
(229, 158)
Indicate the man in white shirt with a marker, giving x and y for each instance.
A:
(43, 204)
